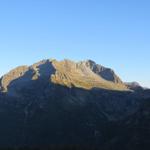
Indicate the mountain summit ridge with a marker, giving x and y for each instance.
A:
(83, 74)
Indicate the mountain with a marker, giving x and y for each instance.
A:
(66, 103)
(134, 85)
(84, 74)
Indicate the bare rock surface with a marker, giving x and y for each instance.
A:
(84, 74)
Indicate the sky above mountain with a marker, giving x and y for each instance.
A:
(114, 33)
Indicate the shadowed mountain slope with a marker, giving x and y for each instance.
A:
(72, 103)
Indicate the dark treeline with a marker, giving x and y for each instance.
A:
(54, 147)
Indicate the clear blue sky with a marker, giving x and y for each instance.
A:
(114, 33)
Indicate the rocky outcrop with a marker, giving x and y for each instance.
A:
(12, 75)
(134, 86)
(106, 73)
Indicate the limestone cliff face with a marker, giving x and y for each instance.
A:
(12, 75)
(84, 74)
(105, 73)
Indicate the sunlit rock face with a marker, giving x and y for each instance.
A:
(105, 73)
(84, 74)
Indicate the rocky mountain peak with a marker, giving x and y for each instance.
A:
(12, 75)
(106, 73)
(134, 85)
(85, 74)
